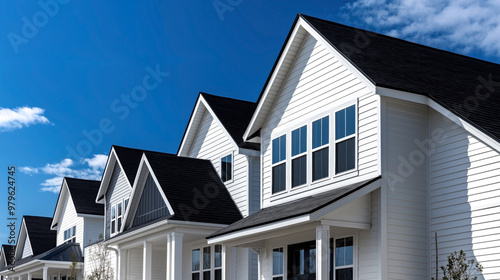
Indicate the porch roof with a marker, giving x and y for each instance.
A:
(306, 205)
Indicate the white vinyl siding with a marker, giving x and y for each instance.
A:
(118, 190)
(212, 143)
(27, 248)
(135, 263)
(92, 230)
(407, 243)
(317, 83)
(68, 220)
(464, 196)
(368, 241)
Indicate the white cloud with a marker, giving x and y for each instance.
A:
(90, 168)
(460, 25)
(21, 117)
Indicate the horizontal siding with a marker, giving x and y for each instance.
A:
(26, 248)
(134, 269)
(318, 82)
(368, 244)
(464, 195)
(92, 230)
(212, 143)
(118, 190)
(69, 219)
(407, 252)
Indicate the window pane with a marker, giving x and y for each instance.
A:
(218, 256)
(126, 204)
(340, 124)
(276, 150)
(195, 260)
(226, 168)
(206, 259)
(350, 119)
(278, 278)
(283, 147)
(344, 251)
(277, 261)
(302, 261)
(218, 274)
(119, 224)
(113, 212)
(343, 274)
(196, 276)
(74, 230)
(299, 171)
(279, 178)
(321, 132)
(299, 140)
(345, 155)
(320, 164)
(112, 226)
(119, 209)
(206, 275)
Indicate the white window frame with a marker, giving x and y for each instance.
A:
(71, 233)
(354, 255)
(123, 202)
(212, 268)
(286, 161)
(232, 166)
(354, 135)
(328, 145)
(292, 157)
(283, 264)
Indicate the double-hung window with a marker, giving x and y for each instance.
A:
(320, 141)
(278, 263)
(117, 213)
(70, 235)
(205, 265)
(342, 262)
(345, 139)
(279, 164)
(226, 167)
(299, 156)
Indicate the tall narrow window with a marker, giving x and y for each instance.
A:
(226, 164)
(278, 264)
(218, 262)
(279, 164)
(119, 217)
(195, 264)
(302, 261)
(345, 139)
(320, 141)
(113, 219)
(70, 235)
(299, 156)
(207, 263)
(342, 263)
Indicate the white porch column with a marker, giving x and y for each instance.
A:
(322, 251)
(169, 257)
(226, 262)
(122, 263)
(176, 256)
(147, 260)
(29, 276)
(45, 271)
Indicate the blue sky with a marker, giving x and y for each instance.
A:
(79, 76)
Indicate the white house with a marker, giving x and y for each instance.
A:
(6, 255)
(369, 145)
(156, 217)
(47, 247)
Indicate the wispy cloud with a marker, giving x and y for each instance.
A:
(21, 117)
(88, 168)
(460, 25)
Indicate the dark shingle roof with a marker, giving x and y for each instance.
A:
(8, 251)
(42, 238)
(130, 159)
(299, 207)
(83, 193)
(66, 252)
(449, 79)
(234, 115)
(184, 180)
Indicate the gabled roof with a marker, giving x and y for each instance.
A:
(302, 206)
(449, 79)
(83, 193)
(182, 180)
(7, 250)
(233, 115)
(41, 237)
(127, 158)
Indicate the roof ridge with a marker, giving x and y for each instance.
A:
(395, 38)
(80, 179)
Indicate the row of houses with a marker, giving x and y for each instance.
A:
(360, 148)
